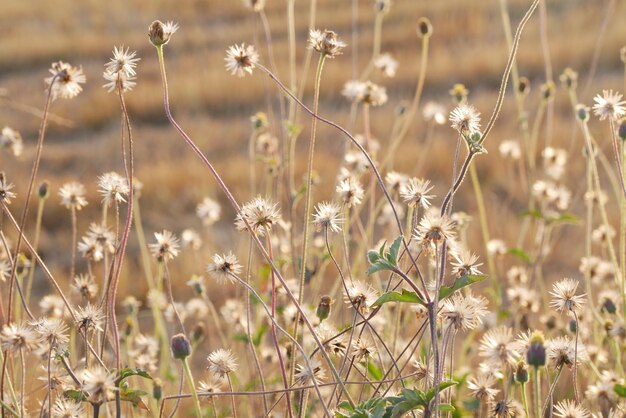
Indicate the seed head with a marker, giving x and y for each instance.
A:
(569, 78)
(261, 215)
(327, 217)
(66, 80)
(223, 267)
(166, 247)
(5, 190)
(326, 42)
(160, 33)
(99, 384)
(11, 140)
(241, 59)
(73, 195)
(222, 362)
(465, 119)
(15, 337)
(564, 296)
(609, 105)
(305, 375)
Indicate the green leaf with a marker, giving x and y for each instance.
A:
(565, 218)
(128, 372)
(346, 405)
(535, 213)
(76, 395)
(374, 371)
(521, 254)
(446, 407)
(406, 296)
(459, 283)
(382, 264)
(134, 397)
(442, 386)
(620, 390)
(258, 335)
(393, 251)
(372, 256)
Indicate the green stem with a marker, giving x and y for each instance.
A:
(31, 272)
(192, 387)
(524, 401)
(307, 204)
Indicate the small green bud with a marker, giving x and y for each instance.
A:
(609, 306)
(621, 129)
(323, 308)
(198, 333)
(547, 90)
(181, 347)
(582, 112)
(157, 389)
(521, 372)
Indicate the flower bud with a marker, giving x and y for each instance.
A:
(609, 306)
(536, 354)
(181, 347)
(521, 372)
(573, 326)
(323, 309)
(43, 191)
(424, 27)
(569, 78)
(157, 389)
(160, 33)
(547, 90)
(198, 333)
(523, 86)
(582, 112)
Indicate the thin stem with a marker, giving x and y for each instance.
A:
(524, 400)
(191, 384)
(576, 395)
(230, 386)
(551, 390)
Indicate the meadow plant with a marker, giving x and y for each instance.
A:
(380, 298)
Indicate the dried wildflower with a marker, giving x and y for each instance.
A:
(496, 247)
(223, 267)
(266, 144)
(564, 295)
(11, 140)
(160, 33)
(326, 217)
(65, 81)
(5, 270)
(360, 295)
(507, 408)
(73, 195)
(609, 105)
(67, 408)
(15, 337)
(52, 331)
(241, 59)
(353, 90)
(113, 188)
(395, 180)
(554, 161)
(208, 211)
(434, 112)
(363, 349)
(569, 409)
(415, 192)
(326, 42)
(561, 352)
(5, 190)
(498, 348)
(465, 263)
(603, 388)
(191, 239)
(510, 149)
(52, 306)
(333, 343)
(305, 376)
(433, 229)
(85, 285)
(120, 70)
(260, 214)
(212, 385)
(89, 317)
(373, 94)
(99, 384)
(166, 246)
(482, 386)
(120, 79)
(386, 64)
(350, 191)
(464, 312)
(222, 362)
(465, 119)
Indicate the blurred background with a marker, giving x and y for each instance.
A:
(468, 46)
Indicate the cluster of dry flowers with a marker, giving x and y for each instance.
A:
(357, 306)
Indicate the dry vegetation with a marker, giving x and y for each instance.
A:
(532, 220)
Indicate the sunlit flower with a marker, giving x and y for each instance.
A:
(67, 408)
(498, 348)
(465, 263)
(326, 42)
(15, 337)
(327, 216)
(5, 190)
(609, 105)
(241, 59)
(386, 64)
(223, 267)
(85, 286)
(465, 119)
(99, 384)
(569, 409)
(434, 112)
(261, 214)
(166, 246)
(564, 295)
(113, 188)
(73, 195)
(305, 376)
(482, 386)
(66, 80)
(208, 211)
(360, 296)
(11, 140)
(350, 191)
(433, 229)
(222, 362)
